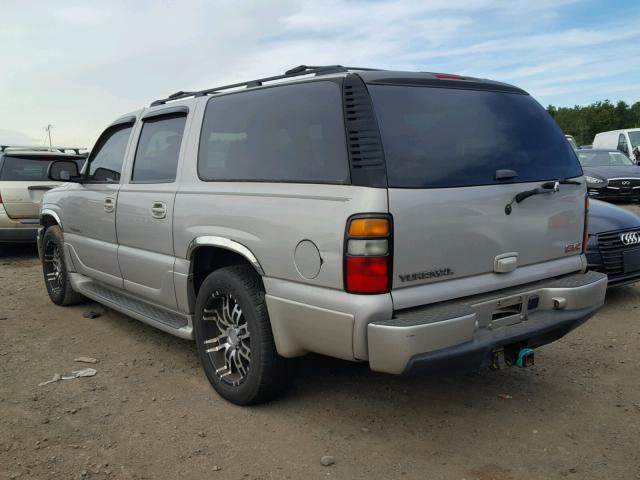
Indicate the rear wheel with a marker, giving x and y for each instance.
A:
(54, 269)
(234, 339)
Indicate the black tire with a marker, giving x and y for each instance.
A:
(54, 269)
(262, 375)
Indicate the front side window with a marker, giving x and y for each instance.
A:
(158, 150)
(287, 133)
(106, 164)
(444, 137)
(634, 137)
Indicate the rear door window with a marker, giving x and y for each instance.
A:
(25, 169)
(443, 137)
(286, 133)
(158, 150)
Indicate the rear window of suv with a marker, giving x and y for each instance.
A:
(443, 137)
(285, 133)
(25, 169)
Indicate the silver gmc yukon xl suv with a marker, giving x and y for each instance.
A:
(416, 221)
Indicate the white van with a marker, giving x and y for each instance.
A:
(627, 141)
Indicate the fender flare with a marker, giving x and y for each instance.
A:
(48, 212)
(222, 242)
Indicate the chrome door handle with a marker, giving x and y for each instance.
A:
(109, 204)
(159, 210)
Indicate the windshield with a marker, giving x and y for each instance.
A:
(22, 169)
(604, 159)
(634, 137)
(442, 137)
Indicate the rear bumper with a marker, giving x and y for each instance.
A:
(17, 231)
(461, 335)
(18, 235)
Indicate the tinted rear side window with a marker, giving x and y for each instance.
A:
(288, 133)
(440, 137)
(24, 169)
(158, 150)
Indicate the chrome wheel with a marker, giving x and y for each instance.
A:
(227, 340)
(53, 268)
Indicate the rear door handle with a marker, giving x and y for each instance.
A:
(159, 210)
(109, 205)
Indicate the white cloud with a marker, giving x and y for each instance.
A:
(80, 64)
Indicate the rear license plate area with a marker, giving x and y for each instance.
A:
(507, 312)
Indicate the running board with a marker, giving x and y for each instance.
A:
(166, 320)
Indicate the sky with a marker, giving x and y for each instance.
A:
(79, 65)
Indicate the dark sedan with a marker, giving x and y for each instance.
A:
(610, 174)
(614, 243)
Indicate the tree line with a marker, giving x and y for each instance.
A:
(584, 122)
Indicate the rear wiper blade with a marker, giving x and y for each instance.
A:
(546, 187)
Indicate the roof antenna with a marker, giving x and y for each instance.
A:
(48, 130)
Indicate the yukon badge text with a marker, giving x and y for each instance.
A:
(441, 272)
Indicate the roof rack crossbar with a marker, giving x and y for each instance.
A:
(5, 147)
(293, 72)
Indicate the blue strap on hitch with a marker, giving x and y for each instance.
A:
(522, 355)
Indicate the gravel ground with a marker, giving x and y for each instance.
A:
(150, 413)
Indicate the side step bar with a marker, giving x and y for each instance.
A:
(166, 320)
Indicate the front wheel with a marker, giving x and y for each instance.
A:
(54, 269)
(234, 339)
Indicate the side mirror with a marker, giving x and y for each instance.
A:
(63, 171)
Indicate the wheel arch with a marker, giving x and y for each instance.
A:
(209, 253)
(49, 218)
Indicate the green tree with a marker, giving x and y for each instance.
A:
(583, 122)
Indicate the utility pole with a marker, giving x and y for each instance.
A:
(48, 129)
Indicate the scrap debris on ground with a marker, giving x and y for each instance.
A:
(151, 414)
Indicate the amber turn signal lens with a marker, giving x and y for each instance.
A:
(369, 227)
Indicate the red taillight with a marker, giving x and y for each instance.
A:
(448, 76)
(367, 265)
(367, 274)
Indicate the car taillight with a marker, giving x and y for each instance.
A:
(585, 233)
(367, 256)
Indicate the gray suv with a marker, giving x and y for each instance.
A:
(415, 221)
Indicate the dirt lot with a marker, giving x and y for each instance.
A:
(150, 413)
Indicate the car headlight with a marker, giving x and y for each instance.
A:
(595, 180)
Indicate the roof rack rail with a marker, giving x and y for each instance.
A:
(293, 72)
(41, 148)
